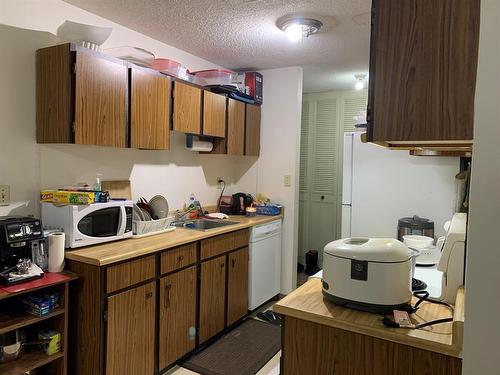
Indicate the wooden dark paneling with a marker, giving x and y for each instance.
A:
(423, 70)
(85, 319)
(214, 114)
(187, 108)
(131, 331)
(252, 130)
(315, 349)
(178, 257)
(235, 127)
(53, 95)
(177, 315)
(150, 110)
(100, 101)
(129, 273)
(237, 285)
(212, 297)
(223, 243)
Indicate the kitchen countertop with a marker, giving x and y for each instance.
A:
(117, 251)
(307, 303)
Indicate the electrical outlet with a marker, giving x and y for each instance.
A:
(220, 181)
(4, 195)
(287, 180)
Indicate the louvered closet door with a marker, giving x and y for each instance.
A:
(324, 181)
(304, 194)
(351, 108)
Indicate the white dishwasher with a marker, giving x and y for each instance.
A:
(264, 270)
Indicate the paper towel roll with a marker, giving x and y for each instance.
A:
(56, 252)
(203, 146)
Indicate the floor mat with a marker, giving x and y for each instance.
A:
(243, 351)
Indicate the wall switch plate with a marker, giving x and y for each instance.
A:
(287, 180)
(4, 195)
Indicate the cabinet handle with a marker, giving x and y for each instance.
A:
(233, 262)
(180, 258)
(167, 295)
(149, 295)
(222, 265)
(322, 197)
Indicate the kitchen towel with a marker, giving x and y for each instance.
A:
(56, 252)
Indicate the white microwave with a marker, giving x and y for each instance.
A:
(91, 224)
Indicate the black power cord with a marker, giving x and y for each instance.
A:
(422, 296)
(221, 181)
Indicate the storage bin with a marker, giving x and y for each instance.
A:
(270, 210)
(216, 76)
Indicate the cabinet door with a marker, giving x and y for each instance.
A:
(237, 285)
(212, 297)
(423, 70)
(150, 110)
(177, 315)
(252, 131)
(235, 127)
(100, 101)
(187, 108)
(214, 114)
(131, 331)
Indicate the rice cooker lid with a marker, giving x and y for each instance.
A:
(382, 250)
(415, 222)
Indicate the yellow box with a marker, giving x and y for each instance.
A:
(67, 197)
(54, 346)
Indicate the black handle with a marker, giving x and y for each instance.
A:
(180, 258)
(222, 265)
(149, 295)
(233, 262)
(322, 197)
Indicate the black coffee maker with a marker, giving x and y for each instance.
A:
(18, 236)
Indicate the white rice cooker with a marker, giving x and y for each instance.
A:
(368, 274)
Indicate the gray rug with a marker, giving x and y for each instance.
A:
(243, 351)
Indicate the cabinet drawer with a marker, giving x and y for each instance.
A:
(222, 244)
(129, 273)
(178, 257)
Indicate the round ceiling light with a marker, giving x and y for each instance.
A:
(298, 28)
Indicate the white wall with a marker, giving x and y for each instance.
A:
(28, 167)
(279, 156)
(482, 298)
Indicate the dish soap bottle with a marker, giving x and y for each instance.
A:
(97, 188)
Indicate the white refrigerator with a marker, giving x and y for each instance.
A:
(380, 186)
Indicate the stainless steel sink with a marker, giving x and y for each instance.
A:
(203, 224)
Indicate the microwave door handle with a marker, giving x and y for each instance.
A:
(123, 217)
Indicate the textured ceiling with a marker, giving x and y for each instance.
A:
(242, 34)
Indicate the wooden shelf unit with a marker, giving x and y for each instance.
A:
(55, 364)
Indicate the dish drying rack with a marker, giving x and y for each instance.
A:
(152, 227)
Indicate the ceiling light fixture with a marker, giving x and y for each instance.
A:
(298, 28)
(360, 84)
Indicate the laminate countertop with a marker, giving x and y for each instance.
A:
(307, 303)
(117, 251)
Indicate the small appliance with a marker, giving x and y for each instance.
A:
(240, 202)
(415, 225)
(250, 83)
(90, 224)
(19, 236)
(444, 279)
(368, 274)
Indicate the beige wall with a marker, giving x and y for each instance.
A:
(482, 298)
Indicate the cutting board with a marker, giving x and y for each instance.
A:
(118, 189)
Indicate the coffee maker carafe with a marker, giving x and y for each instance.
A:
(19, 235)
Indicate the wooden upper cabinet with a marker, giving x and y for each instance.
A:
(235, 142)
(214, 114)
(149, 110)
(81, 97)
(100, 101)
(252, 130)
(237, 285)
(130, 345)
(423, 71)
(187, 108)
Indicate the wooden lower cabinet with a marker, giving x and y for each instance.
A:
(130, 335)
(177, 315)
(315, 349)
(212, 297)
(237, 285)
